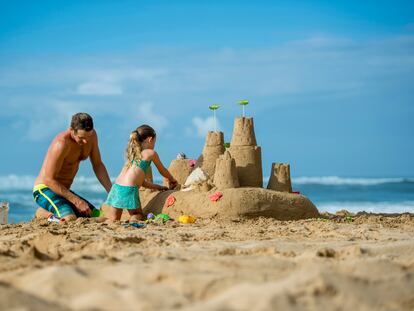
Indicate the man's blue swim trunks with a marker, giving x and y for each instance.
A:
(54, 203)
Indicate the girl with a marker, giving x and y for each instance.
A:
(124, 193)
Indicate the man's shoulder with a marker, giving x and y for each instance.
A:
(62, 140)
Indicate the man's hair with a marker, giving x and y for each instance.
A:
(81, 121)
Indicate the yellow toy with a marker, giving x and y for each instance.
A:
(186, 219)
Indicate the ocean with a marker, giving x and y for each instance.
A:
(329, 193)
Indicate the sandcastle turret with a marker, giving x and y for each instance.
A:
(280, 177)
(246, 153)
(180, 169)
(225, 175)
(213, 148)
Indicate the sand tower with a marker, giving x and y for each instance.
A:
(213, 148)
(246, 153)
(280, 177)
(180, 169)
(225, 175)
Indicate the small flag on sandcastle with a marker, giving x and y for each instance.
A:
(243, 103)
(214, 108)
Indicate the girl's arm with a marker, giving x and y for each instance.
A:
(150, 185)
(161, 168)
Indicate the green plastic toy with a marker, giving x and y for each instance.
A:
(243, 103)
(97, 212)
(164, 217)
(214, 108)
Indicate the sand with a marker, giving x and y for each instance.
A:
(246, 153)
(364, 262)
(235, 202)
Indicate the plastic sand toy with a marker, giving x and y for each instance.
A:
(53, 218)
(164, 217)
(170, 200)
(186, 219)
(216, 196)
(97, 212)
(150, 216)
(135, 225)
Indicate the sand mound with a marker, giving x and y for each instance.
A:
(235, 202)
(180, 169)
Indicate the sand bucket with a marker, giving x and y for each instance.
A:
(4, 212)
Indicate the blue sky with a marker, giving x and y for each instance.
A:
(330, 83)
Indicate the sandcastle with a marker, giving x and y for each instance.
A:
(180, 169)
(279, 179)
(246, 153)
(234, 187)
(213, 148)
(225, 175)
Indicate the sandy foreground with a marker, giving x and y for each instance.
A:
(342, 263)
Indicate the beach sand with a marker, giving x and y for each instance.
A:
(364, 262)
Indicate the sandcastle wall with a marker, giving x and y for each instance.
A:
(225, 175)
(213, 148)
(180, 169)
(235, 202)
(246, 153)
(280, 177)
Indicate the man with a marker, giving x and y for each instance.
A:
(52, 187)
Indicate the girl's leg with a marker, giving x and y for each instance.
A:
(135, 215)
(112, 213)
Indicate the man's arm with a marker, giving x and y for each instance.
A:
(98, 166)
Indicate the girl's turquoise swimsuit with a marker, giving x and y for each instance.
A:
(127, 196)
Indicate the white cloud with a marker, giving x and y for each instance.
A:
(202, 126)
(112, 81)
(147, 114)
(43, 125)
(317, 69)
(99, 88)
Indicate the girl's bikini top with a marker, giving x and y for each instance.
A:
(142, 164)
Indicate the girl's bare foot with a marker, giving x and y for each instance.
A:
(136, 217)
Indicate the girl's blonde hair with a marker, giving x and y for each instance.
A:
(134, 148)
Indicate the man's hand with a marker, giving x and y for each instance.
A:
(83, 207)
